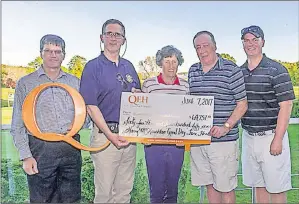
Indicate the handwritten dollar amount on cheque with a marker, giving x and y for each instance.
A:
(140, 127)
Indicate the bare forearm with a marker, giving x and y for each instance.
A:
(239, 111)
(97, 117)
(283, 119)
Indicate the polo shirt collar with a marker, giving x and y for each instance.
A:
(262, 63)
(41, 72)
(106, 61)
(218, 64)
(161, 81)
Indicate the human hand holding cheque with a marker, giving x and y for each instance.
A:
(166, 119)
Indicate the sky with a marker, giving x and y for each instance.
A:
(149, 26)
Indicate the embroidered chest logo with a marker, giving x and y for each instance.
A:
(129, 78)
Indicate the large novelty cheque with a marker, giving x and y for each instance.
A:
(166, 119)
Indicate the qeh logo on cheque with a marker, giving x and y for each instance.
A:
(139, 100)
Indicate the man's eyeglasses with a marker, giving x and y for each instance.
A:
(49, 52)
(116, 35)
(121, 79)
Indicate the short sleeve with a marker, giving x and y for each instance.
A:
(237, 84)
(136, 78)
(282, 85)
(89, 85)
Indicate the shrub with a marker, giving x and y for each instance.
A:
(140, 192)
(87, 191)
(295, 110)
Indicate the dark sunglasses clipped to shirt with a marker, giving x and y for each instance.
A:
(122, 80)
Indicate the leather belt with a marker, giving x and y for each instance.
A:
(262, 133)
(113, 127)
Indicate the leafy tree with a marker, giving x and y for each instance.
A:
(148, 68)
(293, 69)
(65, 69)
(3, 76)
(228, 57)
(3, 73)
(76, 65)
(36, 63)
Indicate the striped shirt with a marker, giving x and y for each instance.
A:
(226, 83)
(54, 108)
(156, 85)
(267, 85)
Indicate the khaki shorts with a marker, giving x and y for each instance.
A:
(260, 168)
(215, 164)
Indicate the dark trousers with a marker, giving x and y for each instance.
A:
(59, 177)
(164, 163)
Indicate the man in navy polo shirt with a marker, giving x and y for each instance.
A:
(216, 165)
(266, 153)
(103, 80)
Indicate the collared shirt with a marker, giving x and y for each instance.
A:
(226, 83)
(54, 107)
(102, 83)
(157, 85)
(267, 85)
(161, 80)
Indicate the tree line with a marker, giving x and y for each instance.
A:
(146, 68)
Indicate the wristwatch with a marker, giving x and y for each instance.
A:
(227, 125)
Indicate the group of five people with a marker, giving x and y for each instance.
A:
(259, 94)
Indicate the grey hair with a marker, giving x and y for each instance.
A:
(169, 51)
(207, 33)
(52, 39)
(113, 21)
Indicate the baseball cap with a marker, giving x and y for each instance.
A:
(254, 30)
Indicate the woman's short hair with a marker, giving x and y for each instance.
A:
(169, 51)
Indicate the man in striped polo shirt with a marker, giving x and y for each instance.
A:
(266, 153)
(216, 165)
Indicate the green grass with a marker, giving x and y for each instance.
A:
(9, 151)
(192, 192)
